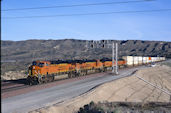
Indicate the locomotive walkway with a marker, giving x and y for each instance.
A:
(41, 98)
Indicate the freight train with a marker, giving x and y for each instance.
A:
(47, 71)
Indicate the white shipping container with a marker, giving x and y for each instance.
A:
(135, 62)
(159, 58)
(153, 59)
(140, 60)
(148, 59)
(144, 60)
(128, 59)
(164, 58)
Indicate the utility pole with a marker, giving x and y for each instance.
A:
(113, 58)
(114, 53)
(116, 58)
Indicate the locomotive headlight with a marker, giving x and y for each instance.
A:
(30, 71)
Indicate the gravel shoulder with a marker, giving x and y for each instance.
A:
(128, 89)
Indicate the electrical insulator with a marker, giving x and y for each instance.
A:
(92, 46)
(103, 46)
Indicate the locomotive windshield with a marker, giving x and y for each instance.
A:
(34, 63)
(41, 64)
(38, 64)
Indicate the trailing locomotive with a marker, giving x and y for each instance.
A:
(47, 71)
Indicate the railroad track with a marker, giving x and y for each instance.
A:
(8, 86)
(13, 88)
(12, 85)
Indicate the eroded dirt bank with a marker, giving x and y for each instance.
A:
(129, 89)
(13, 75)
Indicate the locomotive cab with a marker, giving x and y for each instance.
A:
(36, 66)
(40, 63)
(35, 69)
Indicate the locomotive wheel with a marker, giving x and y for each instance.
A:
(99, 70)
(39, 81)
(104, 69)
(69, 75)
(30, 80)
(86, 72)
(52, 78)
(35, 81)
(78, 74)
(74, 74)
(30, 83)
(45, 79)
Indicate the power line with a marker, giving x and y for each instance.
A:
(86, 14)
(77, 5)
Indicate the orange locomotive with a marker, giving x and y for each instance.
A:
(46, 71)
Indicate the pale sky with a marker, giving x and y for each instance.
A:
(118, 26)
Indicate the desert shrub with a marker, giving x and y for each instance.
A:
(91, 108)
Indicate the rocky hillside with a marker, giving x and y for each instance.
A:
(19, 54)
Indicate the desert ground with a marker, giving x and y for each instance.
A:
(151, 84)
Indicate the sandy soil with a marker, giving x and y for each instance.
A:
(130, 89)
(13, 75)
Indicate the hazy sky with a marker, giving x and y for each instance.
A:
(119, 26)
